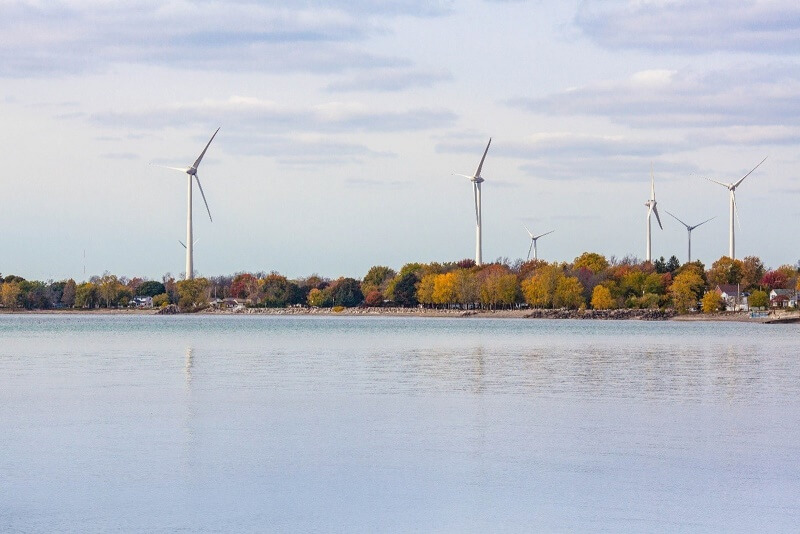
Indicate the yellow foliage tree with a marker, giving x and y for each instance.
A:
(444, 288)
(425, 289)
(712, 302)
(592, 261)
(9, 292)
(193, 294)
(568, 293)
(601, 298)
(685, 290)
(466, 286)
(540, 288)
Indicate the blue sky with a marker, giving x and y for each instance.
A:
(342, 123)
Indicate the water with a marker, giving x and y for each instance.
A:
(233, 423)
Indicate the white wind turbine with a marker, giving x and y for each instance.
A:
(476, 180)
(535, 238)
(689, 230)
(651, 208)
(733, 210)
(192, 172)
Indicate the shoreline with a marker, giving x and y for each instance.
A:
(589, 315)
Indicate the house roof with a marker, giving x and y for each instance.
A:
(783, 292)
(728, 289)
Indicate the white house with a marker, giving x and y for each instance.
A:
(734, 299)
(783, 298)
(143, 302)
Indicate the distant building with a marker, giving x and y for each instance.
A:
(143, 302)
(735, 300)
(783, 298)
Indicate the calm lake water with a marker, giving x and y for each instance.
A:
(201, 423)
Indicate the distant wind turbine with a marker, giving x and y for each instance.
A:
(689, 230)
(651, 208)
(192, 172)
(535, 238)
(733, 210)
(476, 180)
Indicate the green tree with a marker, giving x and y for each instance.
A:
(86, 295)
(601, 298)
(758, 299)
(346, 292)
(275, 289)
(405, 290)
(151, 288)
(377, 278)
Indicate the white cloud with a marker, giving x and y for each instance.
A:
(693, 26)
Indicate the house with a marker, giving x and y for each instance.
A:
(142, 302)
(783, 298)
(735, 300)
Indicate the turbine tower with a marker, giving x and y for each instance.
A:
(192, 172)
(651, 208)
(535, 238)
(689, 230)
(734, 212)
(476, 180)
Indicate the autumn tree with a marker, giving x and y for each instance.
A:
(444, 288)
(275, 290)
(601, 298)
(540, 288)
(86, 295)
(376, 279)
(752, 271)
(774, 280)
(9, 294)
(592, 261)
(68, 293)
(245, 286)
(193, 294)
(568, 293)
(425, 289)
(161, 301)
(316, 298)
(346, 292)
(466, 287)
(686, 289)
(725, 271)
(712, 302)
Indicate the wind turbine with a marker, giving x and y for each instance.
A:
(689, 229)
(192, 172)
(535, 238)
(651, 208)
(734, 212)
(476, 180)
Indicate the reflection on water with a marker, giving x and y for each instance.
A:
(365, 424)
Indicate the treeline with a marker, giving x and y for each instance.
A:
(590, 280)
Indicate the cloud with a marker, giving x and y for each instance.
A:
(740, 96)
(693, 26)
(387, 80)
(47, 38)
(605, 169)
(120, 155)
(253, 114)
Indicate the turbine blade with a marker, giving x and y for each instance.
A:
(182, 243)
(749, 173)
(181, 169)
(530, 248)
(677, 219)
(736, 210)
(655, 210)
(475, 193)
(544, 234)
(203, 153)
(727, 186)
(652, 184)
(464, 175)
(480, 165)
(529, 232)
(699, 224)
(204, 197)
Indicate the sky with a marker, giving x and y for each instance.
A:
(342, 123)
